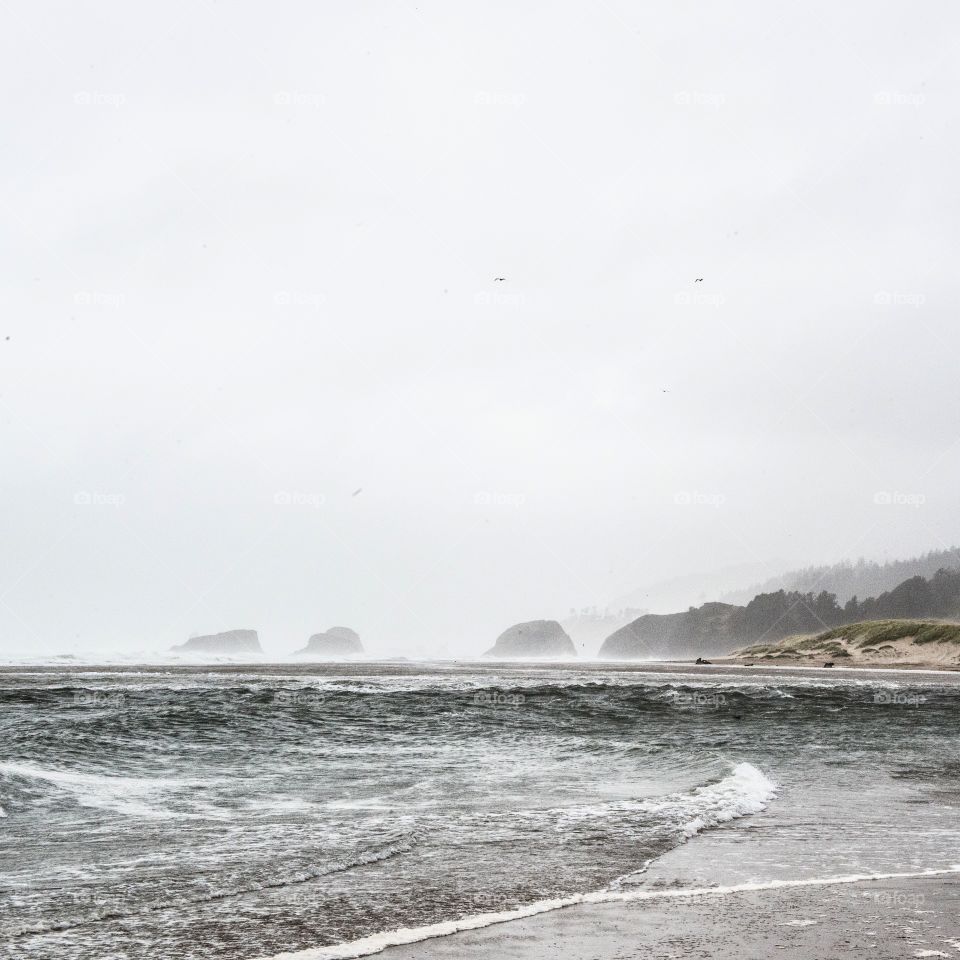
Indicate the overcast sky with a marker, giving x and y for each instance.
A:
(256, 369)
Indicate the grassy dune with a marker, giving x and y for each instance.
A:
(890, 642)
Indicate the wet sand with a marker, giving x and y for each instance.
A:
(803, 666)
(880, 919)
(811, 663)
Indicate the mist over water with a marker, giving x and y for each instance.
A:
(421, 321)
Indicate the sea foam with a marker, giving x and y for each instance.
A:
(746, 790)
(392, 938)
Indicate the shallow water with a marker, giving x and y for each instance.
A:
(242, 811)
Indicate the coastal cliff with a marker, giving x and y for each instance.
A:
(654, 636)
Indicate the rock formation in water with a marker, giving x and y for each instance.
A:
(536, 638)
(335, 642)
(231, 641)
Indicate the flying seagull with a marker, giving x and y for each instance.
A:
(698, 280)
(499, 279)
(358, 490)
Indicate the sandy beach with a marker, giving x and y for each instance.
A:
(816, 663)
(700, 901)
(882, 919)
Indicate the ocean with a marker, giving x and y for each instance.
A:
(241, 811)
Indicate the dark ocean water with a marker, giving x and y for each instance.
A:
(241, 812)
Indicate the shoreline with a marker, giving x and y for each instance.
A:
(780, 662)
(387, 667)
(749, 919)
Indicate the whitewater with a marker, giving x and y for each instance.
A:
(329, 811)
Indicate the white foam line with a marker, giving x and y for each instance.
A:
(393, 938)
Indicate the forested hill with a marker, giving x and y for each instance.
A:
(864, 578)
(717, 628)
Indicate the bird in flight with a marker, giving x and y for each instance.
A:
(499, 279)
(698, 280)
(358, 490)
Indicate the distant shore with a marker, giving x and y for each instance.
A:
(817, 662)
(393, 667)
(901, 644)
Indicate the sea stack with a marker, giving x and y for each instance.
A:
(335, 642)
(536, 638)
(231, 641)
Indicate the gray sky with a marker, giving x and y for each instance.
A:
(249, 254)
